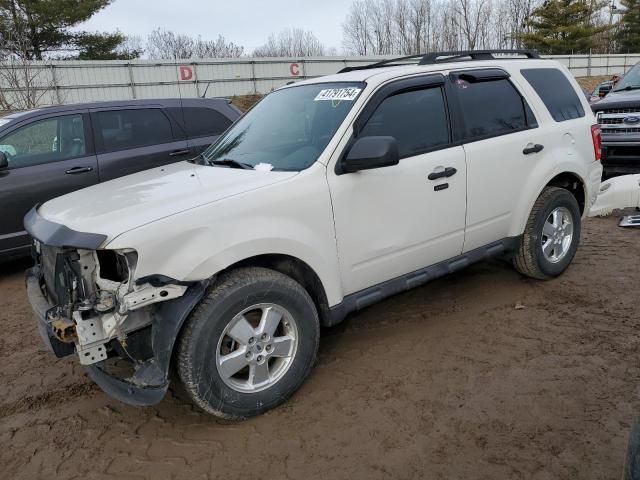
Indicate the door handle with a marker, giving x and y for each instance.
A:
(446, 173)
(533, 149)
(75, 170)
(179, 152)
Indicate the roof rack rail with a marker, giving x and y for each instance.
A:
(383, 63)
(443, 57)
(456, 56)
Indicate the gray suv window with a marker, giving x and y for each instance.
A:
(44, 141)
(556, 92)
(201, 122)
(416, 119)
(125, 129)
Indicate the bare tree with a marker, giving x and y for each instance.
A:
(23, 84)
(356, 29)
(219, 48)
(291, 43)
(404, 27)
(167, 45)
(131, 47)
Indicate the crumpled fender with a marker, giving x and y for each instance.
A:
(150, 382)
(617, 193)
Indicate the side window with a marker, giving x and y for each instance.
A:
(44, 141)
(492, 108)
(203, 122)
(124, 129)
(556, 92)
(417, 119)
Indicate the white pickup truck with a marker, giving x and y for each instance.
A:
(329, 195)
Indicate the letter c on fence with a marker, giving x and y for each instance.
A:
(294, 68)
(186, 73)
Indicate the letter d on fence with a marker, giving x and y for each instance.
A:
(186, 73)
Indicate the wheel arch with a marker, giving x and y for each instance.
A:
(573, 183)
(567, 179)
(296, 269)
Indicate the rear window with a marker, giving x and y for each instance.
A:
(124, 129)
(556, 92)
(492, 108)
(201, 122)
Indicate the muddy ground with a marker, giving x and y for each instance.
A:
(446, 381)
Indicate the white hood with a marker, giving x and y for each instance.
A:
(120, 205)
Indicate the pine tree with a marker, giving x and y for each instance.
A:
(563, 26)
(628, 37)
(31, 29)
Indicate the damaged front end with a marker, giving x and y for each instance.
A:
(123, 329)
(96, 302)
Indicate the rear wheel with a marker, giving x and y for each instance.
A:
(551, 236)
(249, 345)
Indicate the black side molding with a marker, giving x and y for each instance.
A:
(371, 295)
(56, 235)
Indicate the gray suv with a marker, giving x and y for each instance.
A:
(51, 151)
(619, 117)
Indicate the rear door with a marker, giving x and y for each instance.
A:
(132, 139)
(502, 143)
(48, 157)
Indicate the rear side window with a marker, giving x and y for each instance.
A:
(556, 92)
(416, 119)
(201, 122)
(492, 108)
(124, 129)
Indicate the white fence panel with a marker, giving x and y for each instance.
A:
(84, 81)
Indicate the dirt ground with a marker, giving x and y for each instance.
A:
(446, 381)
(590, 83)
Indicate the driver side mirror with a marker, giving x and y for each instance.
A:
(4, 162)
(371, 152)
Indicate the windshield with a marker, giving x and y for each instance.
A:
(630, 80)
(288, 129)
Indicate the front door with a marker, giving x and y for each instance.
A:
(394, 220)
(47, 158)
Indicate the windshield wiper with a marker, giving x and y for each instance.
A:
(201, 157)
(627, 88)
(231, 163)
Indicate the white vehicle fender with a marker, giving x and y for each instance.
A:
(288, 218)
(539, 179)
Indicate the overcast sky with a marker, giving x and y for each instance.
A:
(245, 22)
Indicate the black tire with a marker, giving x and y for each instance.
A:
(529, 259)
(234, 292)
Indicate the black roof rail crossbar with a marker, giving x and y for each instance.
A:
(453, 56)
(382, 63)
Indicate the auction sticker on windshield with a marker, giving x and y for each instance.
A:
(348, 94)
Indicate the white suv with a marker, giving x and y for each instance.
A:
(329, 195)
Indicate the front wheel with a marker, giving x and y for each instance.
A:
(249, 345)
(551, 236)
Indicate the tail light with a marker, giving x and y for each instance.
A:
(596, 136)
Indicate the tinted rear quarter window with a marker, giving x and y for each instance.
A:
(202, 122)
(492, 108)
(124, 129)
(555, 91)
